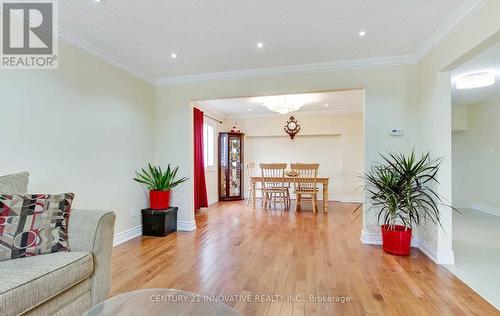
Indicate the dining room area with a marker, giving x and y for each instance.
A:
(283, 153)
(277, 181)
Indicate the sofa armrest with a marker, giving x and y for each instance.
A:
(93, 231)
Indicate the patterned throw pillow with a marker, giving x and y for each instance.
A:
(35, 224)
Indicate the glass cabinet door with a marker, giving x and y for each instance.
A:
(223, 164)
(230, 166)
(234, 166)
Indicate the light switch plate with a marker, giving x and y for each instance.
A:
(396, 132)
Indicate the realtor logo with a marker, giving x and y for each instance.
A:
(29, 34)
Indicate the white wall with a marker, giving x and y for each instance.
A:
(390, 101)
(333, 140)
(476, 159)
(434, 118)
(83, 128)
(459, 118)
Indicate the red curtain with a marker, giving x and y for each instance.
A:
(200, 186)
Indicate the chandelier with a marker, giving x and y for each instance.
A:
(282, 107)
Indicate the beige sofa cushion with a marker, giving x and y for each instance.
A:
(73, 302)
(28, 282)
(14, 183)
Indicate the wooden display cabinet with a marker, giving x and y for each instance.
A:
(231, 166)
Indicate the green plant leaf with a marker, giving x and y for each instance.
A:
(157, 179)
(402, 190)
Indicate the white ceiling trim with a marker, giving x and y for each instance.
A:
(95, 51)
(292, 69)
(466, 10)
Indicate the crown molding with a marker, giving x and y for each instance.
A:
(466, 10)
(95, 51)
(292, 69)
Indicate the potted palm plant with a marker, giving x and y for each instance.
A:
(402, 192)
(159, 183)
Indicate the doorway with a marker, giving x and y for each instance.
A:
(476, 172)
(331, 134)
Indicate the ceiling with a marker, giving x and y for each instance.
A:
(214, 36)
(488, 60)
(349, 101)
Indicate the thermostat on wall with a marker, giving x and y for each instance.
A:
(396, 132)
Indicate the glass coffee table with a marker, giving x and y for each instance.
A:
(161, 302)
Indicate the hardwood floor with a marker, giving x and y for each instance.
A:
(240, 251)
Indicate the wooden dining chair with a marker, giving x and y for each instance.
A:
(273, 184)
(250, 172)
(304, 184)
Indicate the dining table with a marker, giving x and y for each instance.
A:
(324, 181)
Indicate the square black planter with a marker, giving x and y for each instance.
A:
(159, 223)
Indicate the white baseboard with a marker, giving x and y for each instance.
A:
(439, 257)
(376, 239)
(485, 208)
(371, 238)
(429, 250)
(186, 226)
(127, 235)
(134, 232)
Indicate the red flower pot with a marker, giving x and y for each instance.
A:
(396, 240)
(159, 200)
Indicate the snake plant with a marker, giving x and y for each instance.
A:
(157, 179)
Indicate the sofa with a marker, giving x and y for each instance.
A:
(62, 283)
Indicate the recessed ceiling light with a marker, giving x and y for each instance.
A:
(260, 44)
(326, 104)
(173, 55)
(98, 1)
(249, 110)
(475, 80)
(362, 33)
